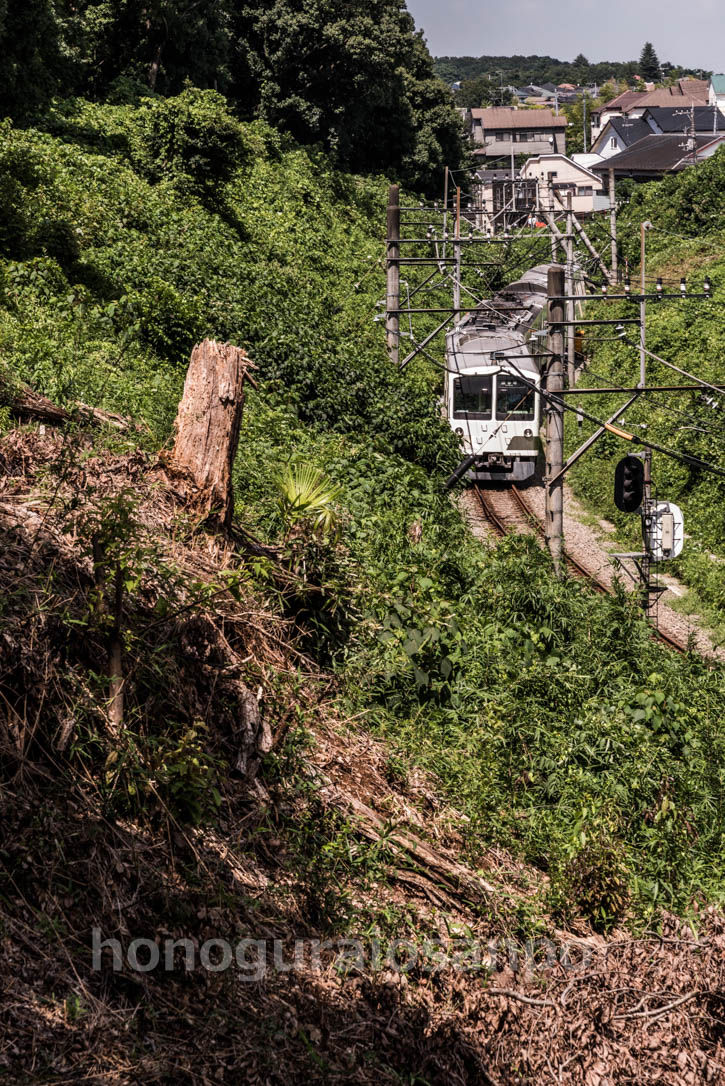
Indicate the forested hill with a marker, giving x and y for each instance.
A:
(359, 84)
(520, 71)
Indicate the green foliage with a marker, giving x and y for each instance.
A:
(686, 239)
(156, 45)
(545, 713)
(520, 71)
(172, 768)
(578, 114)
(649, 65)
(192, 140)
(31, 49)
(306, 498)
(482, 91)
(359, 83)
(140, 269)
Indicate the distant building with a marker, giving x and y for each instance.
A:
(499, 132)
(707, 150)
(658, 154)
(559, 177)
(680, 95)
(707, 119)
(619, 132)
(716, 92)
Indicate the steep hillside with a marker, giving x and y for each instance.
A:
(444, 739)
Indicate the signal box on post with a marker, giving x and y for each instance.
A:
(629, 484)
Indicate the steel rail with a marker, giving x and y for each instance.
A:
(591, 578)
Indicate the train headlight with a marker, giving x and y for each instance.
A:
(528, 433)
(459, 431)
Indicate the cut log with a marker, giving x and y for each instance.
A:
(207, 425)
(29, 406)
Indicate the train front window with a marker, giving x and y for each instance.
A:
(473, 397)
(514, 399)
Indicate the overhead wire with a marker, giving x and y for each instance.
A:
(684, 458)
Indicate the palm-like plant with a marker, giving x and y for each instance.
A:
(307, 497)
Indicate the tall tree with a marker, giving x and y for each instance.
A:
(31, 68)
(157, 43)
(581, 68)
(356, 78)
(649, 65)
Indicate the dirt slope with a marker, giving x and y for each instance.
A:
(310, 835)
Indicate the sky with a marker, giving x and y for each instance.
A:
(692, 35)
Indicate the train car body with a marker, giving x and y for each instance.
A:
(491, 400)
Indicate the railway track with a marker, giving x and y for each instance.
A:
(523, 517)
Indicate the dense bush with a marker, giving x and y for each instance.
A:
(358, 80)
(191, 139)
(145, 268)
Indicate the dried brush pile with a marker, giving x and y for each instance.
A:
(120, 615)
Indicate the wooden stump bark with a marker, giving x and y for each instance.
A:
(207, 425)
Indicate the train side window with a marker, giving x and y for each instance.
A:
(514, 400)
(473, 397)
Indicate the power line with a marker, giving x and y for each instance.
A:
(684, 458)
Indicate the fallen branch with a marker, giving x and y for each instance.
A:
(657, 1012)
(511, 994)
(29, 406)
(456, 879)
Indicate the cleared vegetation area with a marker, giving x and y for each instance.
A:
(551, 766)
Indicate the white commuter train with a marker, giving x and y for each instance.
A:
(489, 399)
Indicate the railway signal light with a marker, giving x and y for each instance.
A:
(629, 484)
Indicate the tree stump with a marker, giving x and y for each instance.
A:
(207, 425)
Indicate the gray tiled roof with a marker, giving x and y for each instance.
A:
(654, 154)
(630, 129)
(672, 119)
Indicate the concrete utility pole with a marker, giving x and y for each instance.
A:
(642, 307)
(555, 420)
(647, 500)
(570, 345)
(613, 223)
(392, 303)
(445, 212)
(457, 250)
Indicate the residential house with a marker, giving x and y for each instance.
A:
(707, 150)
(499, 132)
(716, 91)
(559, 177)
(658, 154)
(680, 95)
(707, 119)
(619, 133)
